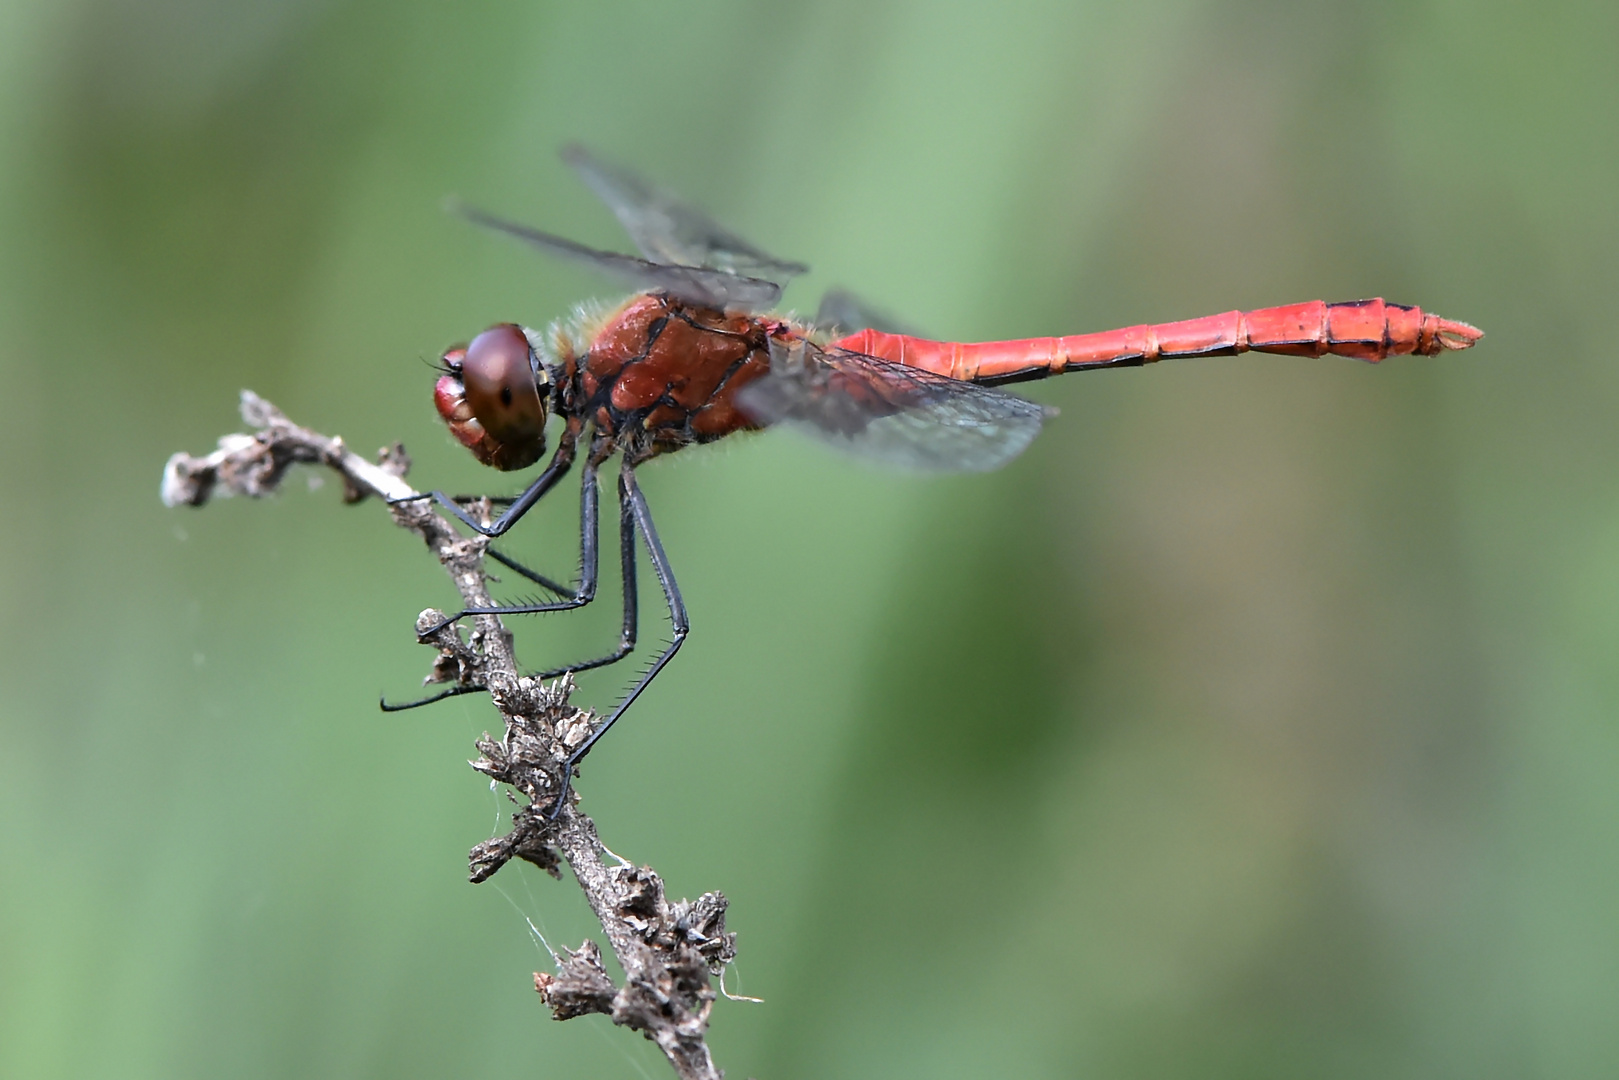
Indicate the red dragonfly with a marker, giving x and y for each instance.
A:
(694, 356)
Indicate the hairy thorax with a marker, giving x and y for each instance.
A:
(660, 374)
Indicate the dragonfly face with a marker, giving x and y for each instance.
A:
(493, 396)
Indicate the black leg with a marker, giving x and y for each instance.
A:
(558, 467)
(533, 575)
(454, 691)
(588, 500)
(633, 506)
(626, 634)
(577, 598)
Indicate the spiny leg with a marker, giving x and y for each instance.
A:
(587, 582)
(588, 513)
(633, 505)
(558, 467)
(454, 691)
(584, 594)
(533, 575)
(627, 631)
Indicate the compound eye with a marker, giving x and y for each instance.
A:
(499, 377)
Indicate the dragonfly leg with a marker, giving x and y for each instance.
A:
(454, 691)
(627, 631)
(533, 575)
(571, 597)
(576, 598)
(633, 507)
(555, 470)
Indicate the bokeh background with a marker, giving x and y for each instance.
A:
(1261, 721)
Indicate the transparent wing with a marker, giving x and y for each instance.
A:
(696, 284)
(668, 230)
(844, 311)
(901, 415)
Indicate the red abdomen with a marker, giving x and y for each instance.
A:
(1364, 329)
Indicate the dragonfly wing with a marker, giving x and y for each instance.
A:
(668, 230)
(701, 285)
(843, 311)
(889, 412)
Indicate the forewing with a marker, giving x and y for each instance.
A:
(845, 312)
(701, 285)
(889, 412)
(668, 230)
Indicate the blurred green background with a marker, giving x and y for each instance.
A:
(1261, 721)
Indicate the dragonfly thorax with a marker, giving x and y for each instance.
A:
(660, 374)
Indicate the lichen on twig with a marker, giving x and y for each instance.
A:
(669, 950)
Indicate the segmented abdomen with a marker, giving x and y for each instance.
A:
(1363, 329)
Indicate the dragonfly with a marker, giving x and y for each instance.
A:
(697, 354)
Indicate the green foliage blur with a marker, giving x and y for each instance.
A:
(1261, 721)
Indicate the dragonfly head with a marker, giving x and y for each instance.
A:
(493, 395)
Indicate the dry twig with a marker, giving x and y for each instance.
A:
(668, 951)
